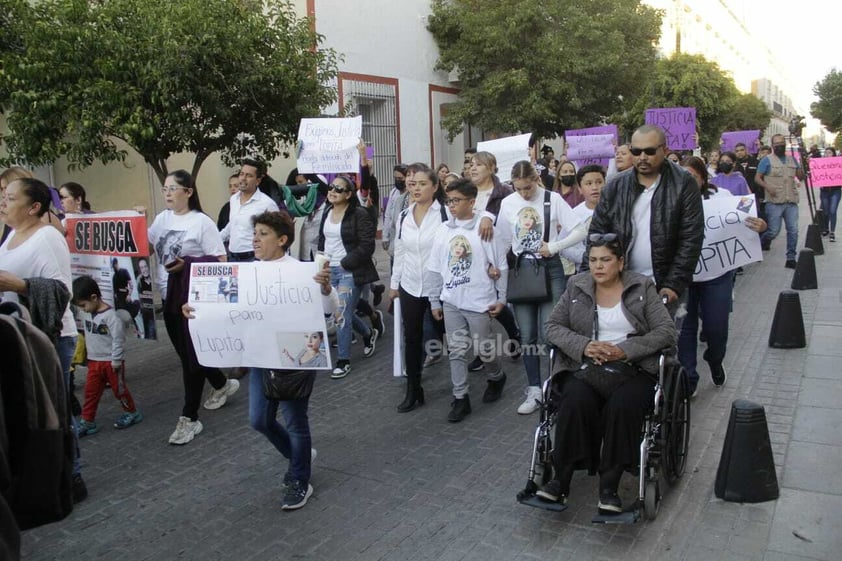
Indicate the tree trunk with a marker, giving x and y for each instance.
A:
(160, 168)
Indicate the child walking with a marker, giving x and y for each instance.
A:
(105, 338)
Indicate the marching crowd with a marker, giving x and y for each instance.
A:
(579, 258)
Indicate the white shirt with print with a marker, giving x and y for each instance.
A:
(521, 221)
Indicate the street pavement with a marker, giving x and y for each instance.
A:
(392, 486)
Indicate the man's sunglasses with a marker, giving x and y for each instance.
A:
(650, 151)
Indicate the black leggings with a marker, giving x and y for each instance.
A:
(192, 372)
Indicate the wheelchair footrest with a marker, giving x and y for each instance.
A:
(625, 517)
(532, 500)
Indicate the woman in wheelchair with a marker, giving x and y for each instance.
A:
(610, 326)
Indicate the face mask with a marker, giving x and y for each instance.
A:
(726, 167)
(400, 184)
(779, 150)
(567, 180)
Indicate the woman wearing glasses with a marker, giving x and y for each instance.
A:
(181, 234)
(346, 238)
(523, 225)
(607, 314)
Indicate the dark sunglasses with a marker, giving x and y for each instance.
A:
(338, 189)
(603, 238)
(650, 151)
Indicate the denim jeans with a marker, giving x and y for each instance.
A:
(346, 319)
(531, 319)
(65, 347)
(710, 302)
(294, 441)
(830, 197)
(789, 213)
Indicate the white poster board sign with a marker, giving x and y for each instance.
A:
(329, 145)
(508, 152)
(264, 315)
(729, 243)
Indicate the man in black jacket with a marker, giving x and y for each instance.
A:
(656, 209)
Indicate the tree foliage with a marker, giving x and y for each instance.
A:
(685, 80)
(165, 76)
(828, 109)
(542, 66)
(748, 113)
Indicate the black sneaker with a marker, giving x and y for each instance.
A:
(718, 374)
(790, 264)
(459, 409)
(552, 492)
(379, 324)
(494, 390)
(476, 365)
(609, 502)
(80, 490)
(342, 368)
(832, 237)
(765, 246)
(296, 495)
(369, 343)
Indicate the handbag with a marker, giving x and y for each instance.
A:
(529, 280)
(287, 385)
(608, 376)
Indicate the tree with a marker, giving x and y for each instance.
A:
(828, 109)
(749, 113)
(544, 66)
(689, 81)
(165, 76)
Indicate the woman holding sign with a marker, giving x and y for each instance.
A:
(830, 201)
(182, 234)
(708, 301)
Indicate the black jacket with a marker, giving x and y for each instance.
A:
(677, 222)
(498, 193)
(358, 233)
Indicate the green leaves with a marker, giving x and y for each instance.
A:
(542, 67)
(165, 76)
(828, 109)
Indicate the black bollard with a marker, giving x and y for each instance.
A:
(805, 271)
(814, 239)
(788, 324)
(820, 219)
(746, 472)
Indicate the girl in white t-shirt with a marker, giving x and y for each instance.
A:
(183, 230)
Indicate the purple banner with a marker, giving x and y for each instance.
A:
(730, 140)
(679, 124)
(604, 129)
(598, 161)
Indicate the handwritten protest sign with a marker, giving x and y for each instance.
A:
(508, 152)
(730, 139)
(264, 315)
(729, 243)
(826, 172)
(594, 146)
(112, 248)
(590, 131)
(329, 145)
(679, 124)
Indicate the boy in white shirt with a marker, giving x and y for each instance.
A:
(472, 292)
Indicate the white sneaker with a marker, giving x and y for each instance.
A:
(185, 430)
(217, 398)
(532, 402)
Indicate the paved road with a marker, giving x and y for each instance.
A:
(413, 487)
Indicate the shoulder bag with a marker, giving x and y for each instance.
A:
(606, 377)
(287, 385)
(529, 278)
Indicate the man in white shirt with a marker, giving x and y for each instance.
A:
(248, 202)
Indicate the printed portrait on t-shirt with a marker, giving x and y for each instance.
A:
(460, 258)
(529, 231)
(168, 246)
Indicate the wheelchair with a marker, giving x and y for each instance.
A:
(663, 445)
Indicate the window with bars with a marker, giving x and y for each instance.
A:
(377, 104)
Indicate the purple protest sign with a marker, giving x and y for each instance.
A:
(730, 140)
(604, 129)
(679, 124)
(826, 172)
(590, 146)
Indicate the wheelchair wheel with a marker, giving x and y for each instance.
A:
(676, 427)
(651, 499)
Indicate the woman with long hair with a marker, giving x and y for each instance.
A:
(830, 197)
(182, 234)
(565, 184)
